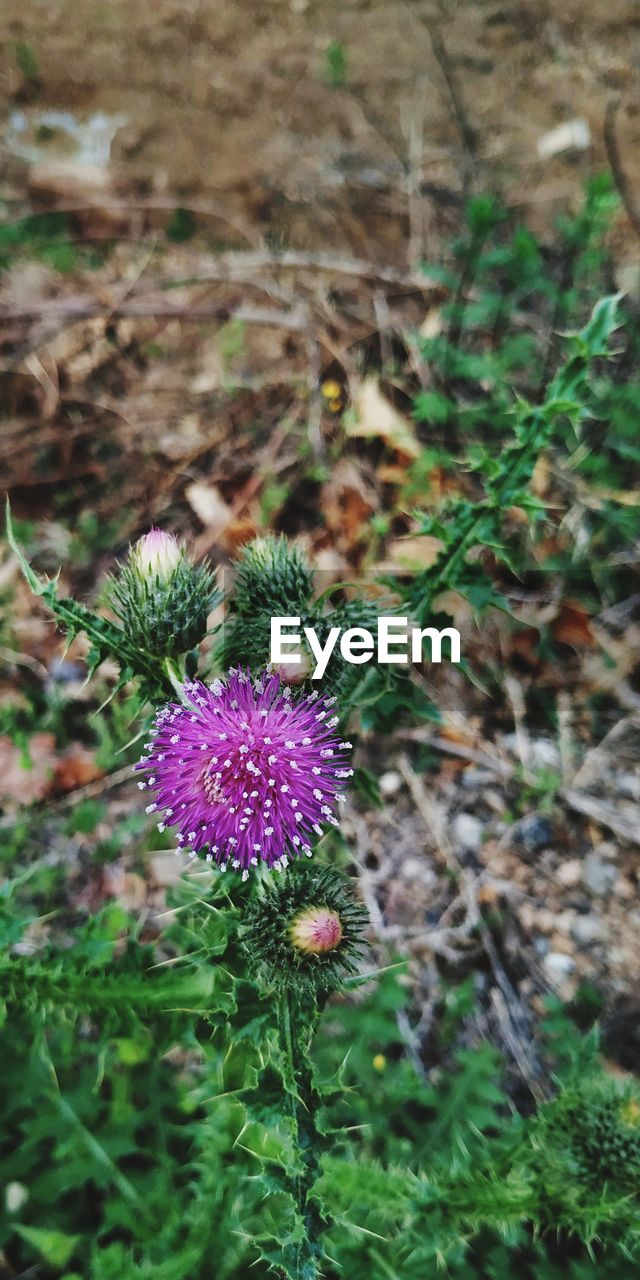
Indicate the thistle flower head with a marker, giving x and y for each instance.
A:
(162, 600)
(304, 931)
(316, 930)
(156, 555)
(245, 772)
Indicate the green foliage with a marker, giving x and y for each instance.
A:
(26, 60)
(180, 1098)
(271, 577)
(510, 301)
(336, 64)
(156, 1116)
(181, 226)
(47, 237)
(273, 580)
(464, 526)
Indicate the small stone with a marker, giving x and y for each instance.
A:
(561, 944)
(598, 876)
(57, 180)
(62, 671)
(607, 850)
(565, 923)
(467, 831)
(543, 752)
(558, 967)
(545, 920)
(588, 929)
(390, 783)
(532, 833)
(569, 873)
(573, 135)
(623, 888)
(474, 777)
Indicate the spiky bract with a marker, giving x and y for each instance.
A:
(277, 963)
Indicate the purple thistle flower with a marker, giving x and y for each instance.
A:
(246, 772)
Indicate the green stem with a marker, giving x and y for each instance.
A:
(291, 1088)
(176, 679)
(296, 1029)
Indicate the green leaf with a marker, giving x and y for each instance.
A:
(56, 1247)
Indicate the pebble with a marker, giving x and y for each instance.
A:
(543, 752)
(623, 888)
(573, 135)
(569, 873)
(607, 850)
(467, 831)
(598, 876)
(532, 833)
(558, 967)
(390, 783)
(474, 777)
(59, 180)
(588, 929)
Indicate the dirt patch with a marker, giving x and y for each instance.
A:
(367, 152)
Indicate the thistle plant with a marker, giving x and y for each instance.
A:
(250, 771)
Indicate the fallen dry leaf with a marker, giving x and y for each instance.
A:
(348, 501)
(373, 415)
(209, 506)
(75, 768)
(411, 553)
(573, 625)
(40, 772)
(26, 776)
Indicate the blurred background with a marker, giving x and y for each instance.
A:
(281, 267)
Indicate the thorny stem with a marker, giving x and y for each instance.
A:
(302, 1107)
(467, 534)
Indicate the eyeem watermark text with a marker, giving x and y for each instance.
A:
(395, 641)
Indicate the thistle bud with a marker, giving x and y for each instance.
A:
(316, 930)
(156, 555)
(272, 576)
(304, 932)
(162, 600)
(293, 673)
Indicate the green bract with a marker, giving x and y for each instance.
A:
(273, 576)
(277, 963)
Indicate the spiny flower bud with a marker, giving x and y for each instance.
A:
(162, 600)
(156, 555)
(292, 673)
(316, 930)
(272, 575)
(594, 1125)
(304, 931)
